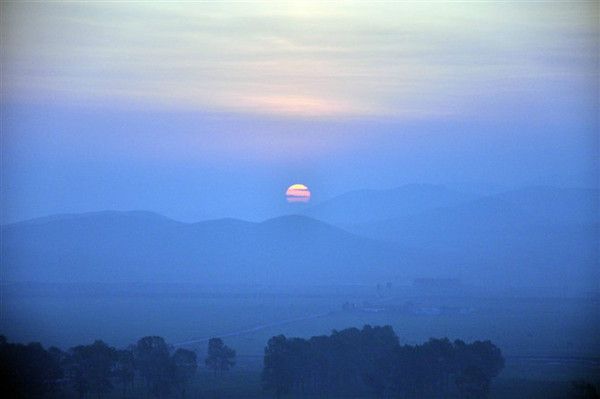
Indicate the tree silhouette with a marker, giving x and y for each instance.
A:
(347, 363)
(352, 361)
(277, 372)
(90, 367)
(152, 359)
(299, 365)
(220, 357)
(185, 364)
(28, 371)
(124, 369)
(478, 363)
(375, 349)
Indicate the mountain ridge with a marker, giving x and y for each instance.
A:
(370, 204)
(541, 233)
(117, 246)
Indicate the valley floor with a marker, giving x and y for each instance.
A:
(548, 341)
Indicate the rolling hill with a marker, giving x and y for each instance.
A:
(537, 236)
(361, 206)
(141, 246)
(546, 235)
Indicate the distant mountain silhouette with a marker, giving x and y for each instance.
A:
(534, 206)
(546, 232)
(362, 206)
(139, 246)
(107, 216)
(543, 236)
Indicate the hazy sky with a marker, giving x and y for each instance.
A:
(199, 110)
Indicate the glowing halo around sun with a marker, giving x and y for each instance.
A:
(297, 193)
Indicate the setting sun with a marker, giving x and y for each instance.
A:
(297, 193)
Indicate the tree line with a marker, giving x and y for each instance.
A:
(373, 362)
(367, 362)
(30, 371)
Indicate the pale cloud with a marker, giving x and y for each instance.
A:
(316, 59)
